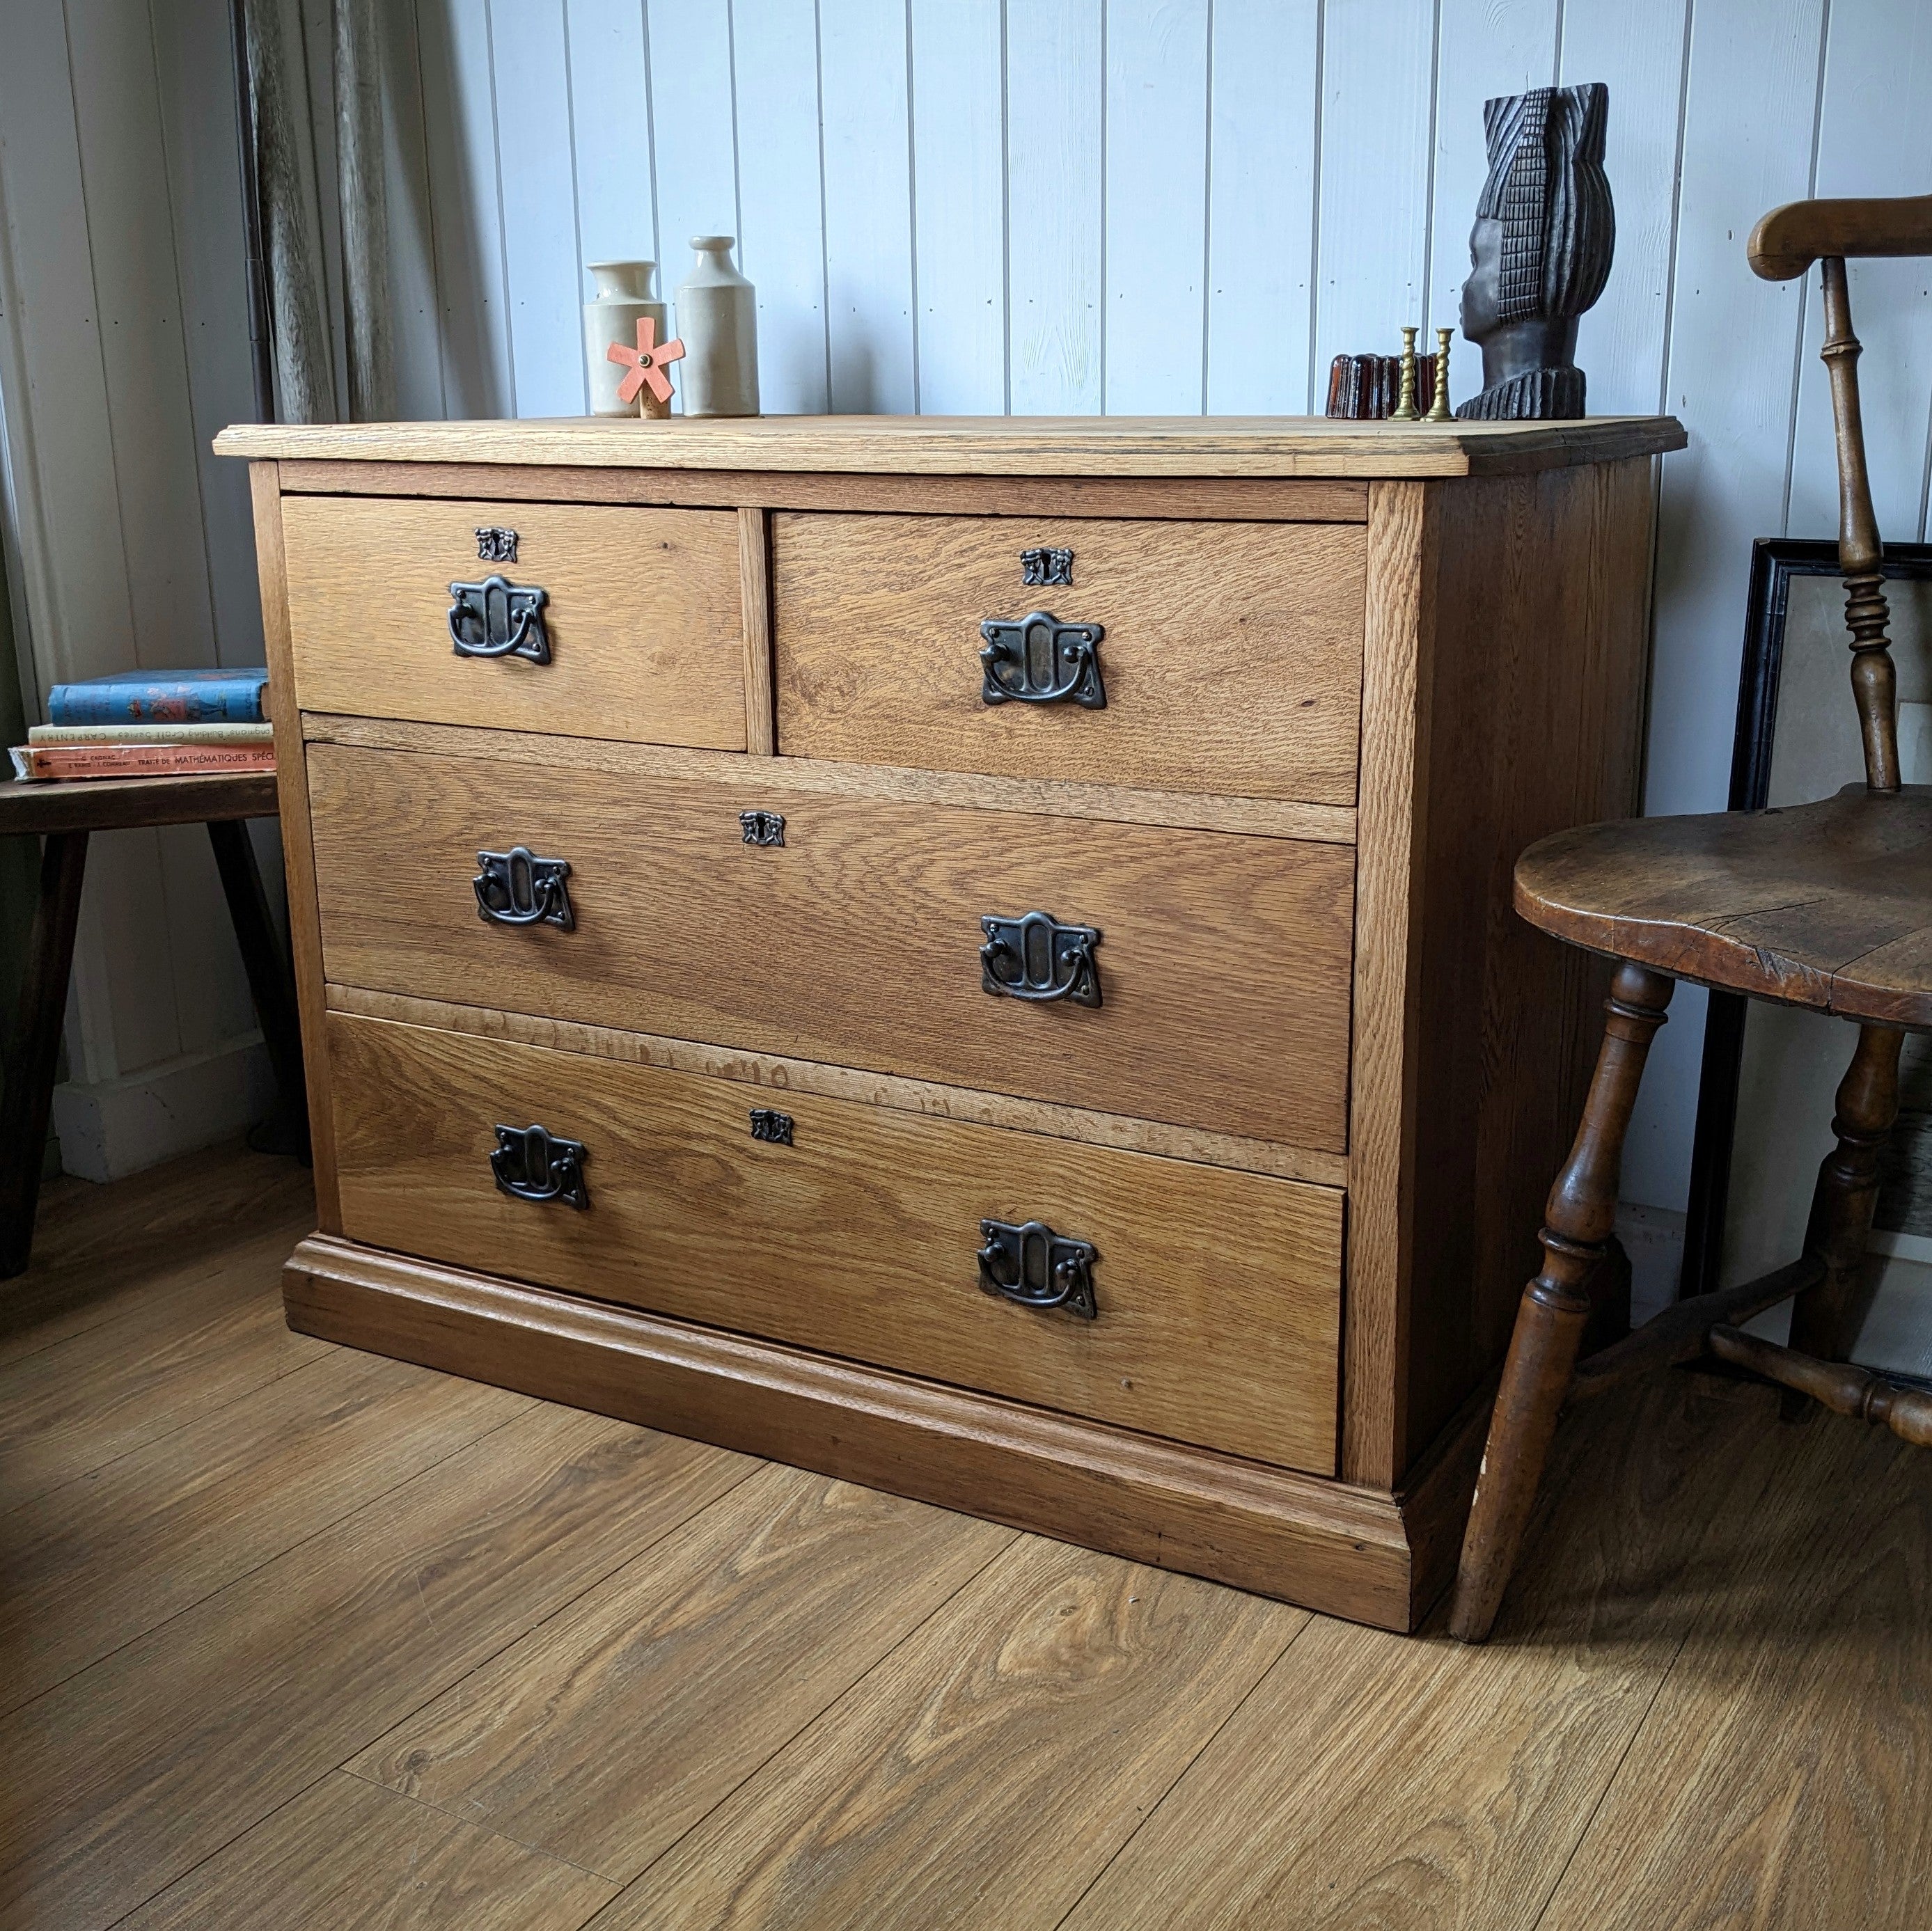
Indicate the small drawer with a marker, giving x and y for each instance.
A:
(599, 622)
(1201, 657)
(1200, 979)
(857, 1230)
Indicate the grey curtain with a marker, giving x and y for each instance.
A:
(365, 215)
(288, 189)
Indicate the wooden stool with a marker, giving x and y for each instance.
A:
(1827, 906)
(63, 813)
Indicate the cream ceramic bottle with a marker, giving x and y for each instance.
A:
(623, 296)
(718, 323)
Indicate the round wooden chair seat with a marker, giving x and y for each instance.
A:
(1828, 906)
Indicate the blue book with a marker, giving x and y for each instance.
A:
(163, 697)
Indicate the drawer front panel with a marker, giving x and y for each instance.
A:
(1221, 963)
(642, 616)
(1216, 1294)
(1230, 660)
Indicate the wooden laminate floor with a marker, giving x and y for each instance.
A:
(291, 1635)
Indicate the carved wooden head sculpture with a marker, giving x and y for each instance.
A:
(1540, 252)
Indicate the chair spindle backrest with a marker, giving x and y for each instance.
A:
(1861, 554)
(1783, 245)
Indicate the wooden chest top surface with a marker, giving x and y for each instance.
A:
(1118, 446)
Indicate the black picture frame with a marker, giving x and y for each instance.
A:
(1775, 560)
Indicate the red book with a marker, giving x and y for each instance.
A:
(137, 760)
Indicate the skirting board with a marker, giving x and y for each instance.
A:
(1348, 1551)
(116, 1127)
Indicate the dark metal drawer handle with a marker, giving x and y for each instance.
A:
(496, 618)
(1037, 958)
(1037, 659)
(534, 1164)
(1029, 1263)
(517, 888)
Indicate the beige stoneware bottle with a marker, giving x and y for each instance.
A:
(718, 323)
(623, 297)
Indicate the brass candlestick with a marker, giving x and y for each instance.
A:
(1439, 410)
(1404, 409)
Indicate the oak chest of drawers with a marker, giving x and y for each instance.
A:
(974, 956)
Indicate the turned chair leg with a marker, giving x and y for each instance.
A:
(1556, 1305)
(1843, 1202)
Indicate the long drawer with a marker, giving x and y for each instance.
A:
(610, 622)
(1229, 658)
(1219, 963)
(1215, 1295)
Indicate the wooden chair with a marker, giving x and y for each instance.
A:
(64, 814)
(1826, 906)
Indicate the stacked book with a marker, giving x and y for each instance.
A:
(152, 724)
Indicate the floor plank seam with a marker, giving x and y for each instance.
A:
(1207, 1743)
(1610, 1781)
(423, 1803)
(484, 1663)
(12, 1355)
(14, 1323)
(864, 1676)
(234, 1581)
(148, 1443)
(295, 1796)
(255, 1824)
(1692, 1626)
(373, 1501)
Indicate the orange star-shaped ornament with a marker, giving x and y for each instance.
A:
(646, 362)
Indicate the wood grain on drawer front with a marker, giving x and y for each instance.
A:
(1223, 960)
(1232, 656)
(1218, 1293)
(645, 615)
